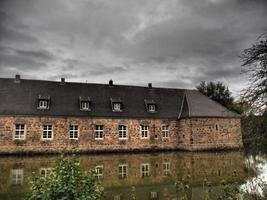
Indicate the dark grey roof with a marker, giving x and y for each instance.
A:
(195, 104)
(22, 99)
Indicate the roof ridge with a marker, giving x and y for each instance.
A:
(90, 83)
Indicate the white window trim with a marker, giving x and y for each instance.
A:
(16, 176)
(96, 172)
(117, 107)
(126, 132)
(164, 131)
(166, 171)
(52, 132)
(85, 108)
(47, 171)
(96, 130)
(122, 174)
(24, 132)
(151, 106)
(148, 170)
(45, 104)
(72, 131)
(146, 130)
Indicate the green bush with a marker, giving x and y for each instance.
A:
(65, 182)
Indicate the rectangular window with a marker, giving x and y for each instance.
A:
(16, 177)
(99, 171)
(122, 132)
(165, 132)
(47, 132)
(117, 107)
(153, 195)
(85, 105)
(20, 131)
(117, 197)
(144, 170)
(166, 167)
(122, 171)
(144, 131)
(43, 104)
(45, 171)
(99, 132)
(74, 132)
(151, 107)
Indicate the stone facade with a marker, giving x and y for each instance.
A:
(188, 134)
(210, 133)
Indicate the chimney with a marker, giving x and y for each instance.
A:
(150, 85)
(17, 78)
(62, 81)
(110, 83)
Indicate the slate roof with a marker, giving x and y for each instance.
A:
(196, 104)
(22, 99)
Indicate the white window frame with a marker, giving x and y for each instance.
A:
(153, 195)
(21, 130)
(151, 107)
(47, 130)
(144, 131)
(165, 132)
(117, 197)
(145, 170)
(117, 107)
(45, 171)
(166, 168)
(16, 176)
(85, 105)
(122, 132)
(43, 104)
(123, 171)
(99, 131)
(73, 132)
(99, 171)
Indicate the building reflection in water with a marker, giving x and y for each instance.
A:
(16, 176)
(143, 176)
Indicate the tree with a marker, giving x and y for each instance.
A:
(254, 61)
(217, 92)
(66, 181)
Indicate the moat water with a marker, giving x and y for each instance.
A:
(144, 176)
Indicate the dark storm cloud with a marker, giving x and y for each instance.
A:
(175, 43)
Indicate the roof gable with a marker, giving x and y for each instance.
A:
(196, 104)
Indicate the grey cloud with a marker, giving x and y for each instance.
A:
(38, 54)
(186, 40)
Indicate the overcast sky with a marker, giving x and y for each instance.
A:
(171, 43)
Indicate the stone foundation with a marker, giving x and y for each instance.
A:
(188, 134)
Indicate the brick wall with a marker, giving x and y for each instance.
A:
(189, 134)
(86, 141)
(210, 133)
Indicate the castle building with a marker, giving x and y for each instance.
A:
(39, 116)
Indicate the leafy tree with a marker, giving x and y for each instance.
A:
(254, 61)
(218, 92)
(65, 182)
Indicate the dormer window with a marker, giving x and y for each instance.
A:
(151, 106)
(116, 105)
(43, 102)
(85, 103)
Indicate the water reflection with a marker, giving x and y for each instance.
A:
(144, 176)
